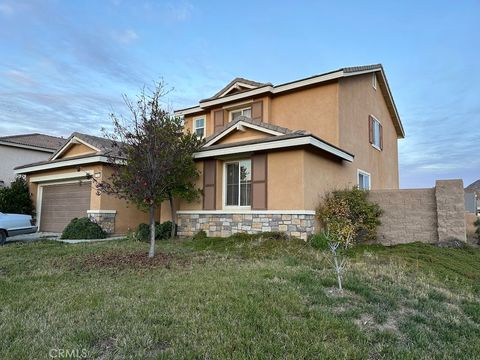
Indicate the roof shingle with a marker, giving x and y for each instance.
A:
(41, 141)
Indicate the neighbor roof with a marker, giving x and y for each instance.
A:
(475, 186)
(102, 146)
(267, 88)
(35, 141)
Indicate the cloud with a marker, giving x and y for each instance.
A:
(19, 77)
(125, 37)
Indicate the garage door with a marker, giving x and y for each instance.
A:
(62, 203)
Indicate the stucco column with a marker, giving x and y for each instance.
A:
(450, 210)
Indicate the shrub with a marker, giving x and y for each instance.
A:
(345, 213)
(83, 228)
(319, 241)
(16, 198)
(162, 231)
(200, 235)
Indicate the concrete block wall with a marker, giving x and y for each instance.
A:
(424, 215)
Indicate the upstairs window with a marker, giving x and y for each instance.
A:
(234, 114)
(375, 133)
(363, 180)
(374, 81)
(238, 183)
(199, 127)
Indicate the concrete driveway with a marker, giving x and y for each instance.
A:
(33, 237)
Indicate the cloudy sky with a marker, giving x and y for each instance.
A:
(65, 64)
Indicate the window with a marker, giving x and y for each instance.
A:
(238, 183)
(374, 81)
(234, 114)
(376, 133)
(199, 127)
(363, 180)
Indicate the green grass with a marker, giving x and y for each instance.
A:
(243, 297)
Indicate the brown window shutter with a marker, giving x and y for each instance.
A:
(218, 119)
(209, 176)
(259, 182)
(370, 129)
(381, 136)
(257, 111)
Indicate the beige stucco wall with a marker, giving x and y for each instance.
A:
(285, 180)
(323, 173)
(76, 150)
(246, 135)
(312, 109)
(128, 216)
(357, 100)
(471, 228)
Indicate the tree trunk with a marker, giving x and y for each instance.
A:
(172, 209)
(151, 252)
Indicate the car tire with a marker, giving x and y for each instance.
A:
(3, 237)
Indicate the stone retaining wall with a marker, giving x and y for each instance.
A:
(226, 224)
(426, 215)
(106, 219)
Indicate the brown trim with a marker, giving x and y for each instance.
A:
(381, 136)
(208, 166)
(370, 129)
(259, 183)
(257, 107)
(218, 120)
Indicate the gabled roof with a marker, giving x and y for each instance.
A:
(475, 186)
(268, 88)
(35, 141)
(282, 138)
(100, 145)
(243, 121)
(237, 83)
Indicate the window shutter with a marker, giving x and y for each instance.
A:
(209, 176)
(218, 119)
(259, 182)
(257, 111)
(381, 136)
(370, 129)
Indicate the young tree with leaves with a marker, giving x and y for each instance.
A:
(151, 157)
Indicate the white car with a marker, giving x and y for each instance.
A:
(15, 224)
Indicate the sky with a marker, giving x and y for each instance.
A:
(64, 65)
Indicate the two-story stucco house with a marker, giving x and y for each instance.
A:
(270, 154)
(272, 151)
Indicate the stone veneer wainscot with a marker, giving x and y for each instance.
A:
(225, 223)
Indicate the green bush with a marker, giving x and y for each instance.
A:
(319, 241)
(83, 228)
(345, 213)
(162, 231)
(200, 235)
(16, 198)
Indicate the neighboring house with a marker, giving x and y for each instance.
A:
(63, 187)
(472, 194)
(20, 149)
(272, 151)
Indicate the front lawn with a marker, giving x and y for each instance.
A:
(237, 298)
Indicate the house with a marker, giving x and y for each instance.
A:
(272, 151)
(472, 194)
(16, 150)
(270, 154)
(63, 187)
